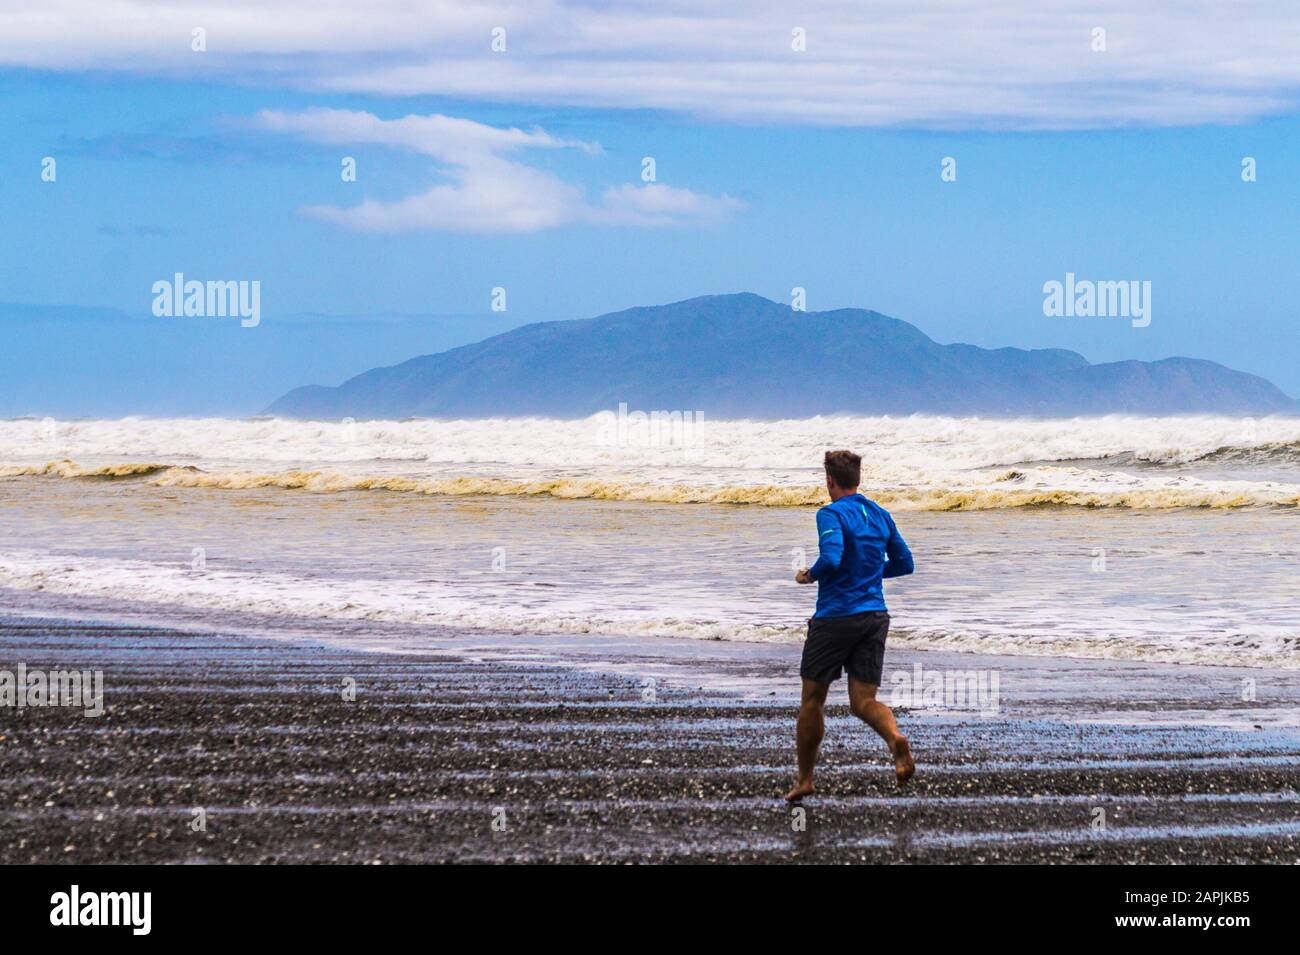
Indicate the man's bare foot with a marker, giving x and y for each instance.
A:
(800, 790)
(904, 765)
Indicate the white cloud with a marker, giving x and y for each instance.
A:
(935, 63)
(485, 191)
(445, 137)
(659, 204)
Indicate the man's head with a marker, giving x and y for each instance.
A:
(843, 473)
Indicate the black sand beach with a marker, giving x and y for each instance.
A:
(575, 765)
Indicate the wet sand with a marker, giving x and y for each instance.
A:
(453, 757)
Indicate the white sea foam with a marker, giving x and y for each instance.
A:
(426, 604)
(907, 447)
(912, 463)
(96, 504)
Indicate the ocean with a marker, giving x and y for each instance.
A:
(1163, 539)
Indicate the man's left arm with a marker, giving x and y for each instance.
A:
(830, 545)
(900, 562)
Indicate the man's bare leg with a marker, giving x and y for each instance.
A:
(865, 706)
(808, 736)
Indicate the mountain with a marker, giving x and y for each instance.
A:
(743, 356)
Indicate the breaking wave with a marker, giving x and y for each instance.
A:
(919, 462)
(70, 469)
(1227, 495)
(1278, 452)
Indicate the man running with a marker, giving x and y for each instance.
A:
(859, 546)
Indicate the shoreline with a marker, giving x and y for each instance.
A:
(731, 665)
(578, 765)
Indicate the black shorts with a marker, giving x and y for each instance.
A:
(855, 643)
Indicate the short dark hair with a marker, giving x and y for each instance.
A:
(844, 468)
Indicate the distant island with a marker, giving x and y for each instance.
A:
(744, 356)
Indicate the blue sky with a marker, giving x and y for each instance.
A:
(231, 174)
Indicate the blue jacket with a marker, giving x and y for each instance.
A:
(859, 546)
